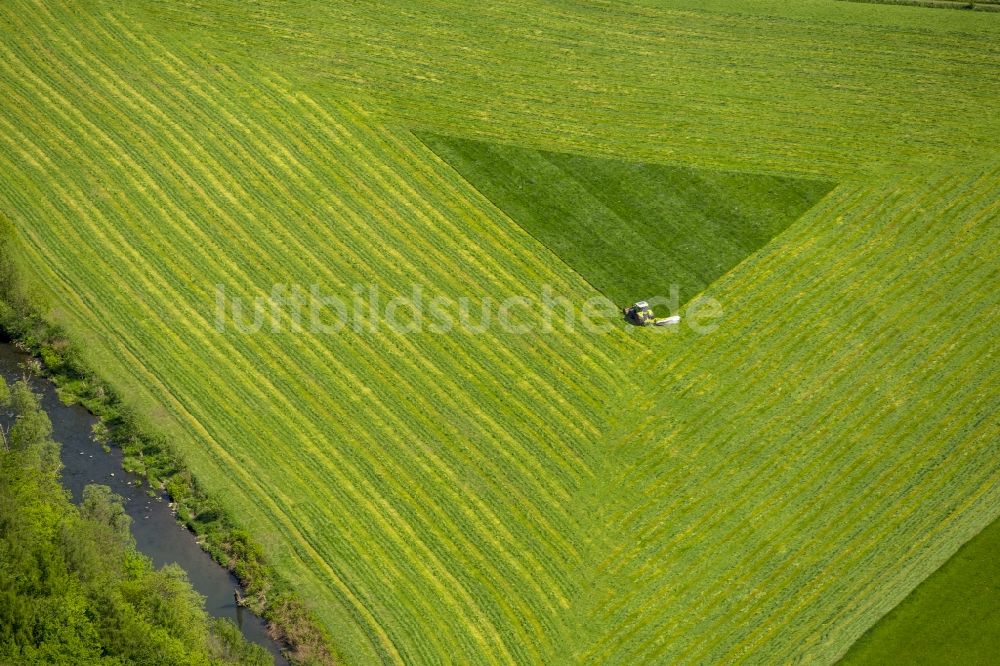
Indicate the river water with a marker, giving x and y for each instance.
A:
(156, 532)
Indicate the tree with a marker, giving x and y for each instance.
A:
(105, 507)
(30, 430)
(25, 401)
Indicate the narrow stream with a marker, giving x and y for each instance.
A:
(156, 532)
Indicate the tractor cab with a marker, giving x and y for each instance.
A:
(639, 314)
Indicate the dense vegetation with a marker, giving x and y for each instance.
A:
(769, 490)
(73, 589)
(633, 230)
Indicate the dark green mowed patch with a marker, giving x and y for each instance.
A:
(632, 229)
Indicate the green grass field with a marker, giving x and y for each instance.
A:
(765, 492)
(987, 6)
(633, 230)
(953, 617)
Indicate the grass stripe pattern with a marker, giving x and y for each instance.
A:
(764, 492)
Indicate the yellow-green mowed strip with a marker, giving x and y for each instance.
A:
(812, 87)
(795, 473)
(419, 487)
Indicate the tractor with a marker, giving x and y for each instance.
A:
(641, 314)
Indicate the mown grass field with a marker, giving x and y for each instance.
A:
(813, 87)
(765, 492)
(633, 230)
(952, 617)
(824, 415)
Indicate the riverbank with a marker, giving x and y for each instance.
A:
(73, 587)
(149, 454)
(154, 526)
